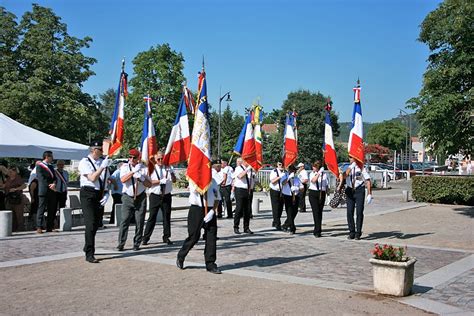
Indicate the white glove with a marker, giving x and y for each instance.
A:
(209, 216)
(137, 168)
(291, 176)
(295, 188)
(137, 175)
(232, 196)
(105, 163)
(321, 170)
(353, 165)
(103, 201)
(369, 199)
(249, 168)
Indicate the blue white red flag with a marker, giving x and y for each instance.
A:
(148, 144)
(258, 116)
(248, 149)
(240, 140)
(189, 100)
(199, 163)
(117, 122)
(356, 143)
(177, 149)
(330, 157)
(290, 141)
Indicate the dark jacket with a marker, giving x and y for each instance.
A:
(45, 178)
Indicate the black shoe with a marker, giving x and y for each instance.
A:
(278, 227)
(180, 263)
(284, 228)
(357, 237)
(136, 248)
(292, 232)
(237, 231)
(120, 248)
(350, 237)
(144, 243)
(92, 259)
(303, 211)
(248, 231)
(317, 235)
(219, 215)
(214, 270)
(167, 241)
(229, 217)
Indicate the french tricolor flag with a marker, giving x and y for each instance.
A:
(330, 158)
(177, 149)
(356, 143)
(116, 124)
(249, 153)
(149, 147)
(258, 137)
(199, 163)
(290, 141)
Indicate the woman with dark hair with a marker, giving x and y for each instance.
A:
(318, 187)
(15, 200)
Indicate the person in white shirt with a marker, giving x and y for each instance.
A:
(116, 187)
(162, 179)
(303, 176)
(202, 215)
(276, 197)
(357, 180)
(291, 187)
(242, 187)
(217, 175)
(318, 187)
(135, 179)
(226, 187)
(93, 171)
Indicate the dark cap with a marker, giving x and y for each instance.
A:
(134, 152)
(96, 143)
(216, 162)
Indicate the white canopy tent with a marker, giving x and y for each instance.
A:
(20, 141)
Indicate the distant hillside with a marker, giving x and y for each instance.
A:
(345, 127)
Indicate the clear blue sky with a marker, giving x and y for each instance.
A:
(263, 48)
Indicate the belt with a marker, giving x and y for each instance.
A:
(132, 196)
(246, 189)
(88, 189)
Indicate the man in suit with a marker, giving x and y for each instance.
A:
(46, 193)
(62, 177)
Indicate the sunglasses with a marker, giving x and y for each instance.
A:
(159, 159)
(133, 157)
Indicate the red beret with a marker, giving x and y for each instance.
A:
(134, 152)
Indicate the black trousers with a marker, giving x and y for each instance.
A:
(317, 199)
(242, 200)
(355, 200)
(157, 202)
(90, 202)
(291, 207)
(225, 193)
(46, 203)
(302, 203)
(195, 223)
(132, 208)
(276, 198)
(117, 198)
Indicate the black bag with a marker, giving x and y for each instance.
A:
(13, 198)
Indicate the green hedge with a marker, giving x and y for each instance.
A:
(444, 189)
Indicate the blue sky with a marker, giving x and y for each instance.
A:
(263, 48)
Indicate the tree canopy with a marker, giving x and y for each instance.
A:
(42, 72)
(390, 134)
(445, 103)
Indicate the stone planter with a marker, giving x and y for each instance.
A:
(393, 278)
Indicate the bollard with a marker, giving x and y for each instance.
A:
(404, 196)
(256, 206)
(6, 223)
(65, 219)
(118, 214)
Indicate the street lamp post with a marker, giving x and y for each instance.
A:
(221, 97)
(409, 133)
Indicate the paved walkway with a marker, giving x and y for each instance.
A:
(268, 272)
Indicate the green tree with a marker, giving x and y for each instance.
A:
(107, 102)
(310, 122)
(389, 134)
(159, 72)
(43, 70)
(445, 103)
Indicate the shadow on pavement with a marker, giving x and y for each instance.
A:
(267, 262)
(393, 234)
(419, 289)
(468, 211)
